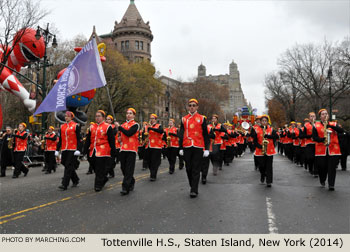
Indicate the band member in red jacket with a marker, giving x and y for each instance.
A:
(129, 139)
(172, 139)
(310, 145)
(21, 143)
(155, 145)
(69, 144)
(50, 148)
(264, 137)
(194, 144)
(100, 142)
(327, 149)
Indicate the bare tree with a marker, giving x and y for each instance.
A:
(303, 82)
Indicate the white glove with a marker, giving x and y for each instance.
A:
(56, 153)
(76, 153)
(181, 152)
(206, 153)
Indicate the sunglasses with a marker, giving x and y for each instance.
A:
(192, 105)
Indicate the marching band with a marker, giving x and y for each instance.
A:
(315, 145)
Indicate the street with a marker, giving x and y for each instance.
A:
(232, 202)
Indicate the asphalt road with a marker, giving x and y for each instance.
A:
(232, 202)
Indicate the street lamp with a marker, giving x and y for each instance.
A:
(329, 76)
(47, 35)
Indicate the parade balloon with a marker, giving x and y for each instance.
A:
(26, 49)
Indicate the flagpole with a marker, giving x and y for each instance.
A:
(110, 102)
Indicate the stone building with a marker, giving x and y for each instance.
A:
(233, 83)
(131, 36)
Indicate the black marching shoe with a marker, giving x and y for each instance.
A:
(26, 173)
(62, 187)
(268, 185)
(98, 189)
(193, 194)
(2, 175)
(331, 188)
(171, 172)
(15, 176)
(75, 184)
(152, 179)
(124, 192)
(204, 181)
(262, 179)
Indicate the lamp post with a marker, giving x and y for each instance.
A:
(167, 93)
(329, 76)
(47, 35)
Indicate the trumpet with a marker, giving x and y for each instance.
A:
(264, 142)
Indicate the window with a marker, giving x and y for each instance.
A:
(148, 47)
(127, 44)
(116, 45)
(141, 45)
(137, 45)
(123, 46)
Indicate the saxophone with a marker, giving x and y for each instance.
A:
(326, 134)
(264, 142)
(168, 139)
(146, 134)
(10, 143)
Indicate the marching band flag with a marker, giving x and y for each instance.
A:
(84, 73)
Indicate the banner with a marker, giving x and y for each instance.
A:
(84, 73)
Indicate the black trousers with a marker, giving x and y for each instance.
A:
(256, 164)
(205, 167)
(181, 161)
(145, 161)
(265, 167)
(69, 163)
(289, 151)
(6, 160)
(140, 152)
(50, 160)
(193, 159)
(154, 161)
(172, 153)
(111, 163)
(18, 160)
(91, 165)
(343, 160)
(127, 165)
(302, 156)
(310, 159)
(297, 154)
(215, 157)
(228, 154)
(326, 166)
(101, 169)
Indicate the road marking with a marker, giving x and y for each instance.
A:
(110, 187)
(15, 218)
(271, 217)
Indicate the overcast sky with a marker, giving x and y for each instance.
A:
(214, 32)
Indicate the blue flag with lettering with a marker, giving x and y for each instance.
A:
(84, 73)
